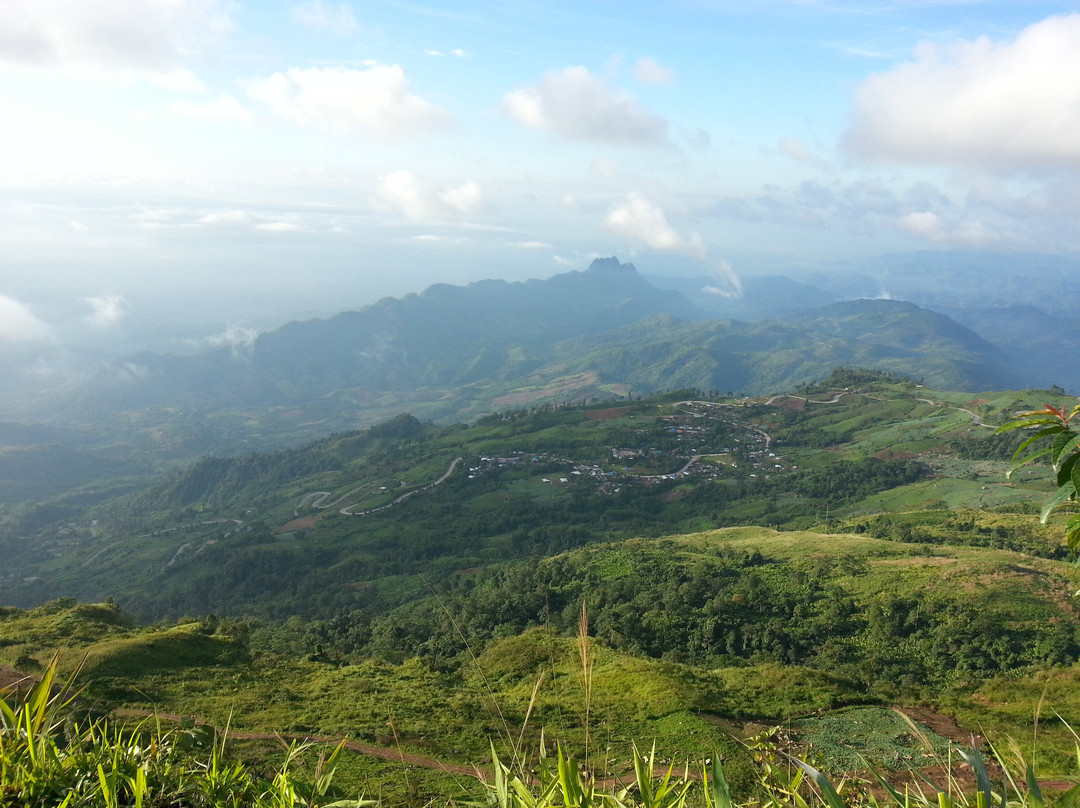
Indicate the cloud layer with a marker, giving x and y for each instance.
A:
(1012, 105)
(19, 324)
(342, 100)
(574, 104)
(416, 200)
(144, 37)
(639, 219)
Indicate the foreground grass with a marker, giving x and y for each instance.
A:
(47, 758)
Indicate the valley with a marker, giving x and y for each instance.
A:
(790, 560)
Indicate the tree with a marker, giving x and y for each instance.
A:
(1064, 452)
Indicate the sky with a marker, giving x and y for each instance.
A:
(183, 173)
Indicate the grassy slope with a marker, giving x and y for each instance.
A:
(187, 670)
(433, 713)
(149, 547)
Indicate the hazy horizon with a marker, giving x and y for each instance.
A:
(182, 170)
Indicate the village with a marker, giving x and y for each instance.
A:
(745, 452)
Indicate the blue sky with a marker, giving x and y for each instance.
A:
(222, 166)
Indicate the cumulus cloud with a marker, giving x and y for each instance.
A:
(931, 227)
(106, 310)
(342, 100)
(1012, 105)
(638, 218)
(573, 103)
(135, 37)
(19, 324)
(335, 17)
(417, 200)
(649, 71)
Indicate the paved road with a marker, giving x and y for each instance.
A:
(347, 510)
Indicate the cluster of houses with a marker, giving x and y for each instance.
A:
(749, 454)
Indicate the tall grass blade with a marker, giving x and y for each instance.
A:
(982, 778)
(717, 790)
(586, 658)
(821, 782)
(1035, 795)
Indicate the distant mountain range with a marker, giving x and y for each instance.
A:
(458, 352)
(1026, 305)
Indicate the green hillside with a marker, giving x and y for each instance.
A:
(361, 520)
(808, 560)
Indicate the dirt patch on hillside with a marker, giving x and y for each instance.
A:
(562, 389)
(943, 725)
(11, 679)
(606, 415)
(304, 523)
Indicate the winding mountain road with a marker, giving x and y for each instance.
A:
(347, 510)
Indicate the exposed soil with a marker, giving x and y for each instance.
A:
(606, 415)
(383, 752)
(943, 725)
(15, 680)
(566, 387)
(304, 523)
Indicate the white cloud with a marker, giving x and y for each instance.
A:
(465, 199)
(649, 71)
(437, 239)
(403, 192)
(574, 104)
(239, 339)
(224, 108)
(78, 226)
(234, 336)
(106, 310)
(18, 323)
(639, 219)
(342, 99)
(931, 227)
(730, 283)
(226, 217)
(282, 227)
(144, 38)
(335, 17)
(1012, 105)
(458, 52)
